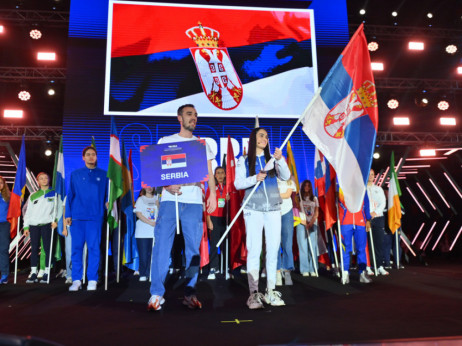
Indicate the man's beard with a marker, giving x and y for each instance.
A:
(189, 127)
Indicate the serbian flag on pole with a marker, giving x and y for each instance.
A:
(394, 205)
(324, 181)
(238, 250)
(17, 195)
(342, 120)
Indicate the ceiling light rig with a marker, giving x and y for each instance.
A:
(393, 103)
(443, 105)
(24, 95)
(451, 49)
(373, 46)
(35, 34)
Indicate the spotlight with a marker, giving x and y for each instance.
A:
(48, 152)
(50, 56)
(459, 70)
(421, 101)
(394, 14)
(13, 113)
(376, 155)
(450, 121)
(2, 29)
(24, 95)
(362, 12)
(393, 103)
(416, 45)
(429, 15)
(51, 92)
(373, 46)
(451, 49)
(35, 34)
(377, 66)
(427, 152)
(401, 121)
(443, 105)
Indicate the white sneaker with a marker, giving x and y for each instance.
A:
(91, 285)
(143, 278)
(273, 298)
(278, 278)
(155, 303)
(211, 276)
(255, 301)
(76, 285)
(40, 274)
(136, 272)
(369, 271)
(346, 278)
(382, 271)
(68, 281)
(313, 274)
(364, 278)
(305, 274)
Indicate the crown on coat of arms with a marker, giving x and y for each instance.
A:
(203, 36)
(367, 94)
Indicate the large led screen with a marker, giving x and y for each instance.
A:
(232, 61)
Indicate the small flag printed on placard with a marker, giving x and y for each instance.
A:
(173, 161)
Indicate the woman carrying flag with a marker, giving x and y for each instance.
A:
(263, 210)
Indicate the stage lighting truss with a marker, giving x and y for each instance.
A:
(393, 103)
(35, 34)
(451, 49)
(24, 95)
(443, 105)
(373, 46)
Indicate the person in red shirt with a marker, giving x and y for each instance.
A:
(216, 221)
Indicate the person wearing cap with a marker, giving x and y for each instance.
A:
(85, 209)
(40, 219)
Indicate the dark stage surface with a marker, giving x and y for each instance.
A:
(417, 302)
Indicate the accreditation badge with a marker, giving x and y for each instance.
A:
(221, 202)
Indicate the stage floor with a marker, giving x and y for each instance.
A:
(417, 302)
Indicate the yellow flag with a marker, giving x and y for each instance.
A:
(291, 164)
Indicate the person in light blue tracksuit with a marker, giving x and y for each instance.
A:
(85, 208)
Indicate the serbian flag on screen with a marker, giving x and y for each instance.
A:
(342, 119)
(155, 64)
(324, 182)
(17, 195)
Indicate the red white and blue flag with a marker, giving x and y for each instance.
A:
(324, 182)
(17, 195)
(342, 120)
(173, 161)
(236, 61)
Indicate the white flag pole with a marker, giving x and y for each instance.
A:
(397, 249)
(316, 94)
(50, 254)
(340, 244)
(373, 251)
(334, 251)
(107, 243)
(85, 251)
(118, 247)
(315, 259)
(177, 214)
(17, 246)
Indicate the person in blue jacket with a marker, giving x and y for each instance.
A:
(4, 231)
(85, 208)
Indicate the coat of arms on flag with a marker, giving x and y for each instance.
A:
(351, 107)
(219, 79)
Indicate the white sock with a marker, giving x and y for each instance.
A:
(47, 270)
(33, 270)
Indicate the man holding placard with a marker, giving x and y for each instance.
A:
(190, 211)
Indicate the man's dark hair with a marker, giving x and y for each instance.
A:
(84, 151)
(180, 110)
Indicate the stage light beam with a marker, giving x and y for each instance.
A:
(46, 56)
(448, 121)
(430, 232)
(400, 121)
(418, 232)
(441, 234)
(13, 113)
(428, 199)
(416, 45)
(455, 239)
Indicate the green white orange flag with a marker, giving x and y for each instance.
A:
(394, 205)
(114, 173)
